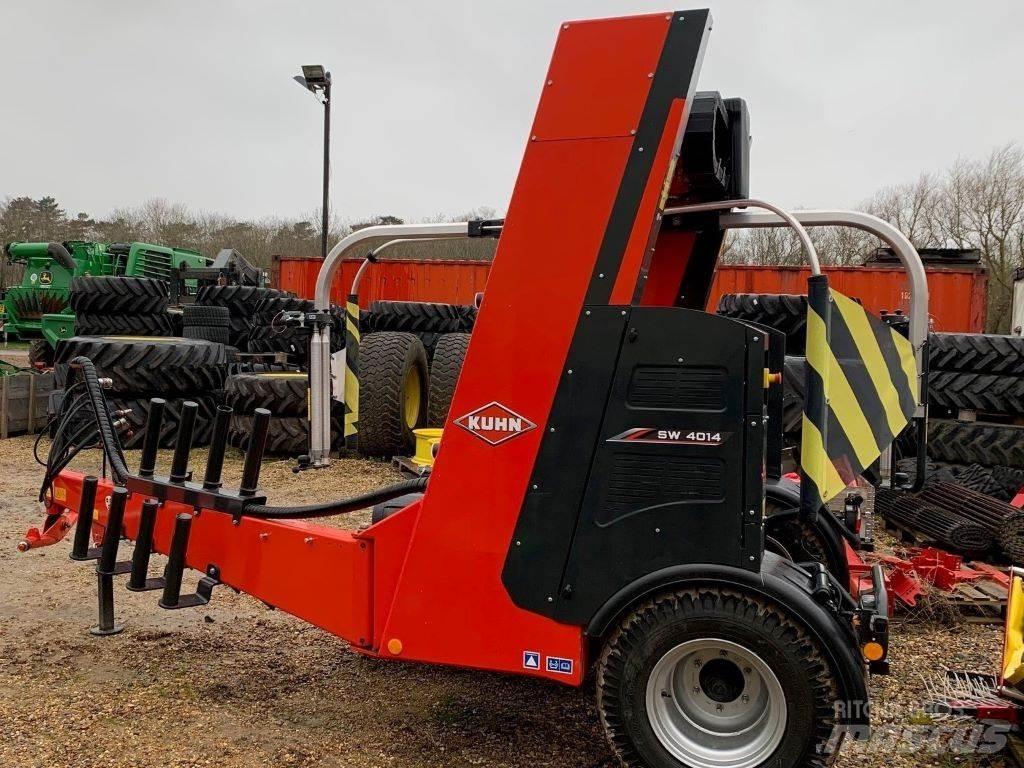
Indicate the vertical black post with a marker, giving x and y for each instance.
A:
(151, 440)
(106, 567)
(215, 461)
(183, 445)
(112, 535)
(83, 528)
(254, 456)
(819, 303)
(175, 569)
(143, 545)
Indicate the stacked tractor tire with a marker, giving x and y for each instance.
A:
(121, 306)
(976, 402)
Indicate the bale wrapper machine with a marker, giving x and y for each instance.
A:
(598, 502)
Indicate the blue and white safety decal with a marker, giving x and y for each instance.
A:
(561, 666)
(531, 660)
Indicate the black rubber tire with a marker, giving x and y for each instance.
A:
(1011, 537)
(116, 295)
(386, 361)
(801, 542)
(293, 341)
(449, 355)
(1010, 481)
(148, 366)
(934, 471)
(658, 625)
(172, 418)
(274, 305)
(215, 333)
(975, 443)
(419, 316)
(286, 435)
(40, 353)
(783, 312)
(978, 478)
(159, 324)
(241, 300)
(283, 394)
(200, 314)
(988, 393)
(976, 353)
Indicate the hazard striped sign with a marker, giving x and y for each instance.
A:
(861, 392)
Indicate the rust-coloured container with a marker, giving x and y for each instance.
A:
(957, 294)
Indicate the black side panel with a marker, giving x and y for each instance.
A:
(539, 548)
(677, 475)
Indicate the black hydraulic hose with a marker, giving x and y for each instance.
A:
(108, 436)
(61, 255)
(340, 507)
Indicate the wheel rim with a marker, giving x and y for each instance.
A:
(411, 399)
(715, 704)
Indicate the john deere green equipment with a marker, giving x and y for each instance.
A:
(37, 311)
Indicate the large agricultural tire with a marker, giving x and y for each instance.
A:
(215, 333)
(283, 394)
(783, 312)
(274, 305)
(669, 665)
(979, 478)
(241, 300)
(115, 295)
(976, 353)
(200, 314)
(286, 435)
(148, 366)
(40, 353)
(158, 324)
(974, 443)
(140, 408)
(393, 393)
(988, 393)
(449, 355)
(428, 321)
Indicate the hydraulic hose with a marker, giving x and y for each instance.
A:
(60, 254)
(340, 507)
(108, 436)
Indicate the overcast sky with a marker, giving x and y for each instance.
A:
(106, 104)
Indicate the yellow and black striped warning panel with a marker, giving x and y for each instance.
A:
(351, 382)
(861, 389)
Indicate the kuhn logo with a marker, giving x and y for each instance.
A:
(494, 423)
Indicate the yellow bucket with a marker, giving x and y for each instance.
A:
(427, 442)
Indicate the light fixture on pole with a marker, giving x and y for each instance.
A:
(317, 81)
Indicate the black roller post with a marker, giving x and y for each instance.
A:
(183, 445)
(175, 569)
(83, 529)
(151, 440)
(105, 569)
(254, 456)
(138, 581)
(215, 462)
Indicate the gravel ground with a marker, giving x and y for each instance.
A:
(236, 684)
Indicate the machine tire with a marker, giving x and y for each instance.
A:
(802, 542)
(979, 478)
(283, 394)
(159, 324)
(241, 300)
(216, 333)
(416, 316)
(40, 353)
(118, 295)
(172, 418)
(783, 312)
(977, 391)
(761, 635)
(392, 392)
(286, 435)
(202, 315)
(149, 366)
(444, 376)
(973, 443)
(976, 353)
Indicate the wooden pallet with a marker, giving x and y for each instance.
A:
(23, 400)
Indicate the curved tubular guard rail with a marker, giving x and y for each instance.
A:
(320, 344)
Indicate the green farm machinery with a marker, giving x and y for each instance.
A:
(37, 311)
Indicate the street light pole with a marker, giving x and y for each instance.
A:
(327, 164)
(316, 80)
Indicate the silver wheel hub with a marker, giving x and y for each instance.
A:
(715, 704)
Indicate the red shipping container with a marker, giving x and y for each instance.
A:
(957, 300)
